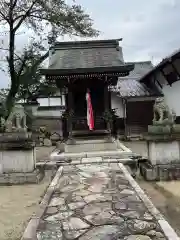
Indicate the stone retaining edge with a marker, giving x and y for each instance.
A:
(31, 229)
(167, 229)
(120, 145)
(97, 160)
(55, 156)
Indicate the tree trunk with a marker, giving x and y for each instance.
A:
(10, 100)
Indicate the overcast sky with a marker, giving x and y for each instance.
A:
(150, 29)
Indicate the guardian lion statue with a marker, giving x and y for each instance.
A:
(162, 113)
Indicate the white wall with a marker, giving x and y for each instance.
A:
(49, 113)
(172, 96)
(55, 101)
(117, 103)
(50, 102)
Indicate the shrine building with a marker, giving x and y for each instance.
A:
(98, 66)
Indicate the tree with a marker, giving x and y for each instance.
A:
(37, 15)
(34, 85)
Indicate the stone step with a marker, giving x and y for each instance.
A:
(88, 133)
(51, 164)
(56, 155)
(92, 141)
(89, 147)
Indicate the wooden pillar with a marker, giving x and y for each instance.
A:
(107, 106)
(125, 118)
(70, 114)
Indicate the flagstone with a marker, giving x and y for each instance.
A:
(97, 197)
(97, 202)
(127, 192)
(70, 235)
(94, 208)
(74, 223)
(101, 233)
(59, 216)
(137, 237)
(56, 201)
(72, 188)
(76, 205)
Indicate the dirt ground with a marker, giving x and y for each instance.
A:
(167, 203)
(164, 195)
(17, 204)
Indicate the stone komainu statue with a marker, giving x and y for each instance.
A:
(16, 120)
(162, 113)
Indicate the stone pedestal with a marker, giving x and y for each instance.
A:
(18, 159)
(163, 152)
(163, 160)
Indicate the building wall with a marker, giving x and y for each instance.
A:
(52, 124)
(117, 103)
(172, 96)
(47, 106)
(171, 93)
(52, 101)
(49, 113)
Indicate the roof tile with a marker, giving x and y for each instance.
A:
(73, 58)
(130, 86)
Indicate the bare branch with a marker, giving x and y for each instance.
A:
(14, 4)
(4, 16)
(24, 16)
(17, 56)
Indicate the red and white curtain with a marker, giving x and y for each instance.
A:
(90, 116)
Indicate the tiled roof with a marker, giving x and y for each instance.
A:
(130, 86)
(140, 69)
(89, 54)
(173, 56)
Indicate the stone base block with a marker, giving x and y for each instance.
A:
(18, 160)
(159, 130)
(160, 172)
(149, 172)
(163, 152)
(176, 128)
(21, 178)
(60, 146)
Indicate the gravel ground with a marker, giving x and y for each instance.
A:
(18, 203)
(167, 203)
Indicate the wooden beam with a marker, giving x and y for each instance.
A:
(155, 79)
(175, 69)
(161, 70)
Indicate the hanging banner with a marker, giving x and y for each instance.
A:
(90, 116)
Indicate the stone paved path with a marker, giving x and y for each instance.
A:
(97, 202)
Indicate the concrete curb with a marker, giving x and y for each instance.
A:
(122, 146)
(96, 160)
(55, 156)
(167, 229)
(30, 231)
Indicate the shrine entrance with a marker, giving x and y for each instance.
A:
(79, 91)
